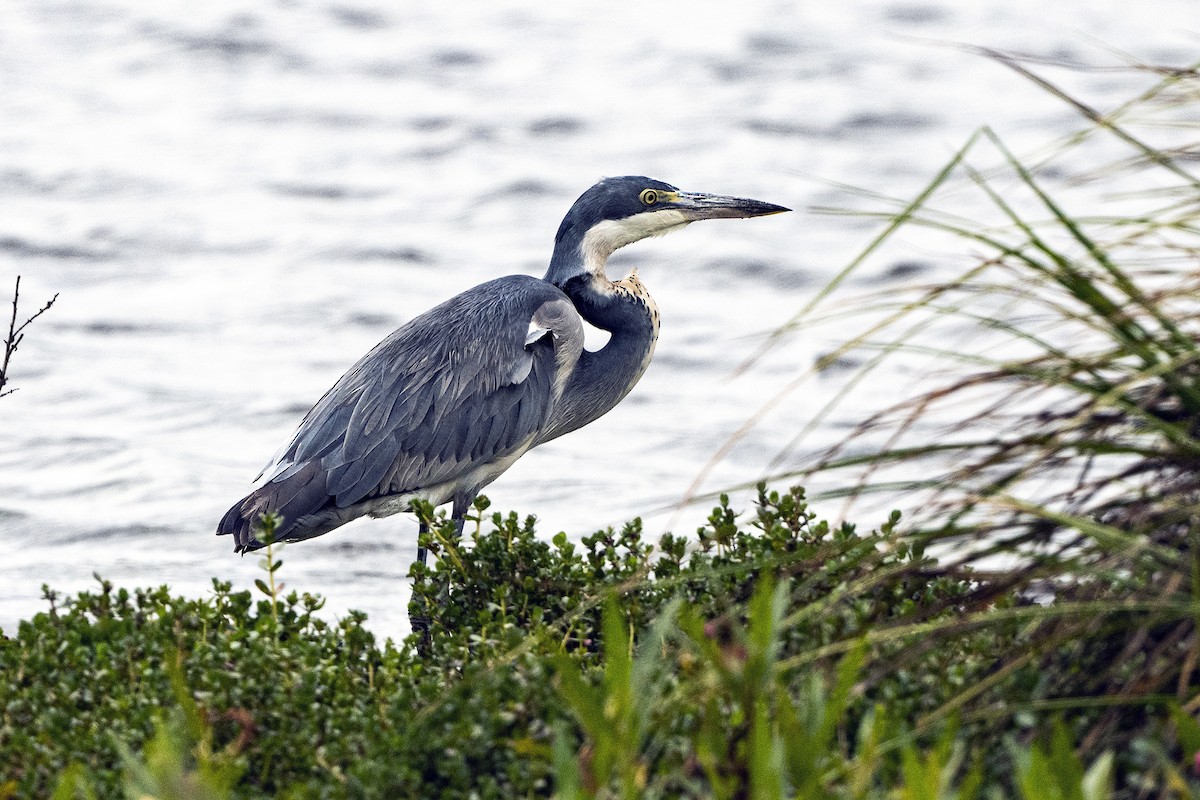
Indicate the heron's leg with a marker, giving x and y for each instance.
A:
(422, 553)
(462, 504)
(420, 622)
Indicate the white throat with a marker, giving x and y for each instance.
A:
(606, 237)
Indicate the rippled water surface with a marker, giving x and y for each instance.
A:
(234, 200)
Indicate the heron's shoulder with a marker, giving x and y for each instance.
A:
(492, 317)
(519, 290)
(504, 300)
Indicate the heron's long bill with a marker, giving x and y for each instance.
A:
(700, 205)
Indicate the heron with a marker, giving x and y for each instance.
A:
(446, 403)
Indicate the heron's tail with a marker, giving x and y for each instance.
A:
(296, 498)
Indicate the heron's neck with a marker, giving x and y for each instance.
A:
(623, 308)
(603, 377)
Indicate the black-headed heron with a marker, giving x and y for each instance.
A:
(444, 405)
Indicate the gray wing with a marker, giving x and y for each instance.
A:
(470, 381)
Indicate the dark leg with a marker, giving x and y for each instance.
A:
(462, 504)
(420, 623)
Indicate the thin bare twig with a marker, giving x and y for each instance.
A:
(16, 333)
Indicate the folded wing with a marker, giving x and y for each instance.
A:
(467, 384)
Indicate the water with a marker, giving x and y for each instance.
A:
(235, 200)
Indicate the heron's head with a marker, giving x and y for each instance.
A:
(619, 211)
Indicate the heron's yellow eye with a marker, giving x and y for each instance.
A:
(649, 196)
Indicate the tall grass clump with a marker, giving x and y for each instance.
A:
(1047, 426)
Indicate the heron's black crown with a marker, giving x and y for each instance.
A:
(612, 199)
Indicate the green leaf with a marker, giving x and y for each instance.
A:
(766, 762)
(834, 711)
(568, 782)
(1188, 731)
(1098, 782)
(73, 784)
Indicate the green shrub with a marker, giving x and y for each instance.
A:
(843, 671)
